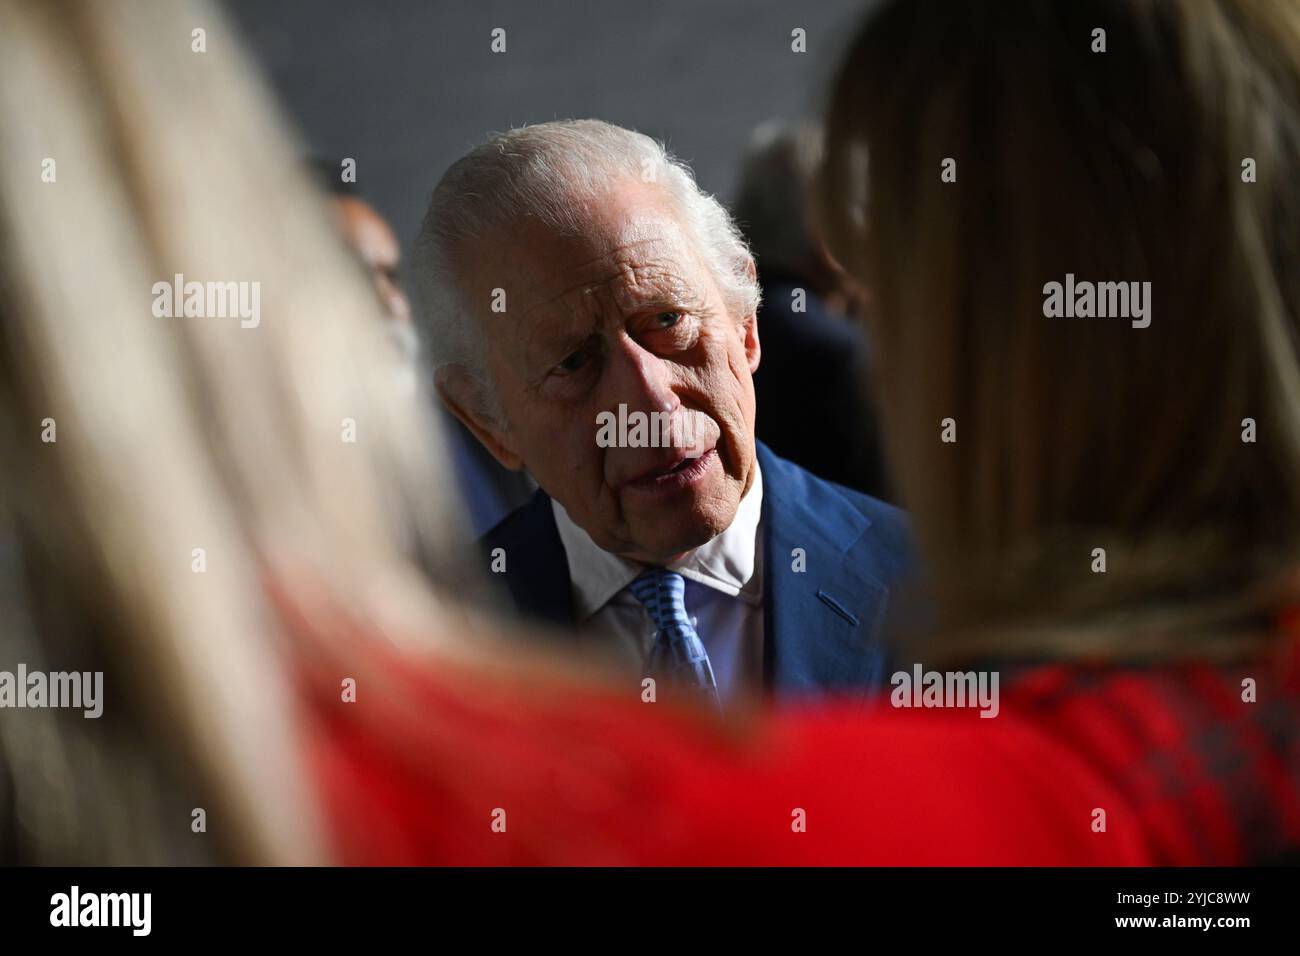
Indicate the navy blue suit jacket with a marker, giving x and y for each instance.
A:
(823, 626)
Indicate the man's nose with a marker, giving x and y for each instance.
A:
(638, 378)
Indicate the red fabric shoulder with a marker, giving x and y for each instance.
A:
(459, 767)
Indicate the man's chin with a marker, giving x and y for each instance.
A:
(664, 537)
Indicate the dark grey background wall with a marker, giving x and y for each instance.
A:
(406, 86)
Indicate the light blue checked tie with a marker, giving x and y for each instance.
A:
(677, 657)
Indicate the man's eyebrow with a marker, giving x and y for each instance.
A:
(558, 341)
(673, 294)
(655, 284)
(547, 346)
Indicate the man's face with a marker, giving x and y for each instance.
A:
(373, 241)
(625, 314)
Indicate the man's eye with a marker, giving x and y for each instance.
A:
(571, 363)
(666, 320)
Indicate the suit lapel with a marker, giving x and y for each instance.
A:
(823, 610)
(821, 625)
(537, 569)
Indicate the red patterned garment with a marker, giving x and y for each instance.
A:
(1082, 766)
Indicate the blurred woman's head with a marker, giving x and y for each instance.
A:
(191, 455)
(1108, 141)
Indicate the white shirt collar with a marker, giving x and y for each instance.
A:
(730, 563)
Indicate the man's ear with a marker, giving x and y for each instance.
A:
(749, 329)
(461, 392)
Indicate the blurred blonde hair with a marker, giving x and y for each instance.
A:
(1075, 434)
(181, 433)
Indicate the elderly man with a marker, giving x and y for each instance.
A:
(572, 271)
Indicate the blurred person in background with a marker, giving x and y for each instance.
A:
(489, 491)
(329, 562)
(814, 405)
(369, 236)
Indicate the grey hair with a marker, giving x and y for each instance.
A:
(550, 172)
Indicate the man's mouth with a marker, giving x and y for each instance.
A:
(675, 475)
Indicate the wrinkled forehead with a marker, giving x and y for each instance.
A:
(625, 248)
